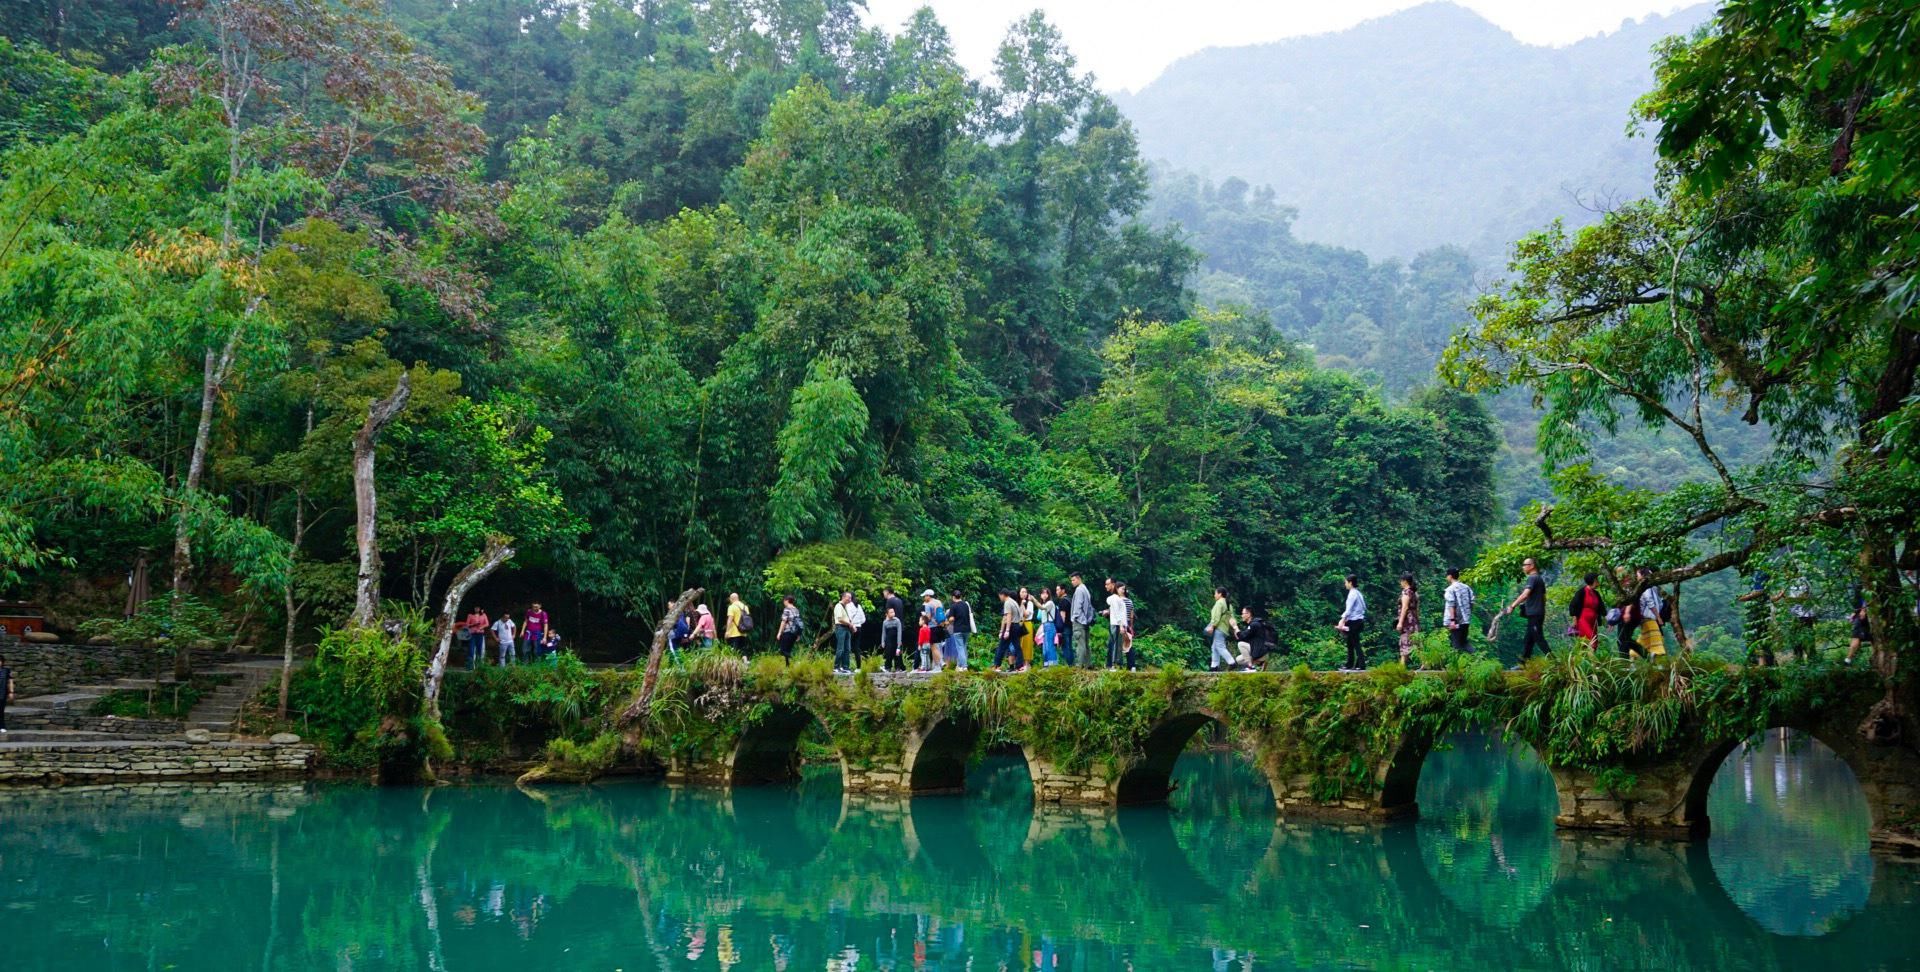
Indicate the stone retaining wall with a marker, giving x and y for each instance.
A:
(138, 760)
(80, 722)
(45, 669)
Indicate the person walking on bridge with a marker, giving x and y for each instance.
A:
(934, 616)
(1081, 617)
(1653, 611)
(1011, 628)
(1408, 622)
(1532, 602)
(1353, 618)
(789, 627)
(1457, 612)
(847, 619)
(1219, 623)
(960, 626)
(1116, 624)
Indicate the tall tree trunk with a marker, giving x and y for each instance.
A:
(213, 374)
(366, 588)
(292, 607)
(643, 700)
(490, 559)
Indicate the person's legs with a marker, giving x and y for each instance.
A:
(508, 654)
(1536, 636)
(1113, 647)
(842, 648)
(1458, 635)
(957, 651)
(1081, 656)
(1651, 643)
(1222, 658)
(1356, 660)
(473, 650)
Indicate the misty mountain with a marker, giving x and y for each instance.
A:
(1426, 127)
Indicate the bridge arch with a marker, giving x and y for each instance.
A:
(1149, 777)
(1707, 765)
(768, 751)
(1400, 777)
(936, 758)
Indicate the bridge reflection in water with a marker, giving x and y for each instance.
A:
(640, 875)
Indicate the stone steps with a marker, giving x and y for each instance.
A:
(221, 708)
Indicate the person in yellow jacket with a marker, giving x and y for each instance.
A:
(736, 635)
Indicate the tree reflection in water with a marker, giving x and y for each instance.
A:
(1789, 840)
(638, 875)
(1486, 826)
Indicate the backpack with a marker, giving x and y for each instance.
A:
(746, 621)
(1666, 610)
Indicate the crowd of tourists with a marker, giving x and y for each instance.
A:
(534, 635)
(1037, 625)
(1053, 625)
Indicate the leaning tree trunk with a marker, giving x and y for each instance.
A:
(213, 375)
(643, 699)
(497, 553)
(366, 590)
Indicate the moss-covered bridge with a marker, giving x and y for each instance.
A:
(1631, 746)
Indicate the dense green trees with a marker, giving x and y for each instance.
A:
(740, 295)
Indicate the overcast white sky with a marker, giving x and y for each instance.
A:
(1127, 43)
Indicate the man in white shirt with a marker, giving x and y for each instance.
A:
(1353, 617)
(847, 619)
(503, 632)
(1457, 614)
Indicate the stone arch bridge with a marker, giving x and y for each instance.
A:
(1347, 746)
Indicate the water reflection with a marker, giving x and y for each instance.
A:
(639, 875)
(1486, 826)
(1790, 834)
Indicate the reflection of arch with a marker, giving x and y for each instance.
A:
(769, 750)
(1400, 783)
(967, 836)
(1164, 866)
(785, 828)
(1794, 864)
(1149, 779)
(1700, 781)
(936, 761)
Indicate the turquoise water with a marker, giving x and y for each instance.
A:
(639, 876)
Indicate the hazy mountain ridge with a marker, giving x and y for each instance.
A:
(1426, 127)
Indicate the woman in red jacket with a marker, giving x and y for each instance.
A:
(1587, 609)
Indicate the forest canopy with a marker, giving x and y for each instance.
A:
(632, 298)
